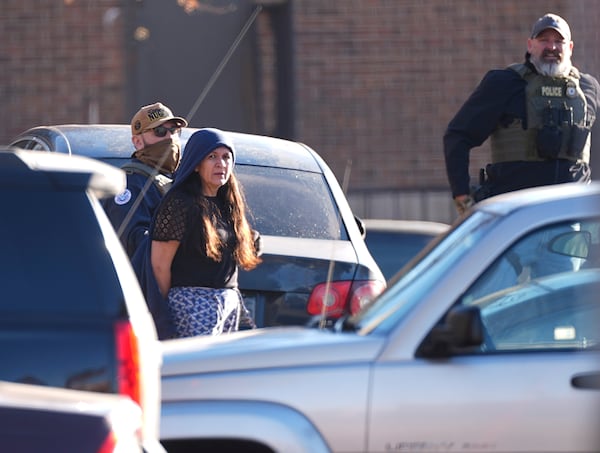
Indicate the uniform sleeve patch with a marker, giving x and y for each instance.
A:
(123, 198)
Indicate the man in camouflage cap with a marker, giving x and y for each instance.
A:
(155, 133)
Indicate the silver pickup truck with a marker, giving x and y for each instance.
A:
(486, 342)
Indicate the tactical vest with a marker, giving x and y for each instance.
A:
(162, 182)
(557, 127)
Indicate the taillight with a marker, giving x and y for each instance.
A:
(128, 362)
(333, 299)
(363, 293)
(122, 437)
(109, 444)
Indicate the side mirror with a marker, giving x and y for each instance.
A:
(575, 244)
(462, 328)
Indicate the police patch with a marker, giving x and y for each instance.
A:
(123, 198)
(552, 91)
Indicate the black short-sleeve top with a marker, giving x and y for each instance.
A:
(179, 219)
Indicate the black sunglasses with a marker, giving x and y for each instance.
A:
(161, 131)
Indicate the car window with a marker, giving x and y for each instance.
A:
(393, 250)
(542, 293)
(285, 202)
(409, 287)
(54, 259)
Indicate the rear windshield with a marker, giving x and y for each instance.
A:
(53, 256)
(284, 202)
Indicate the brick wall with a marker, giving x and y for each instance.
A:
(376, 81)
(62, 61)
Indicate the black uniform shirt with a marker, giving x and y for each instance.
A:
(147, 196)
(498, 100)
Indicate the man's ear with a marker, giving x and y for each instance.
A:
(137, 141)
(529, 44)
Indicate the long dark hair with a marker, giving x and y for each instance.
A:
(232, 196)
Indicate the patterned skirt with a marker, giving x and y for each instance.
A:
(205, 311)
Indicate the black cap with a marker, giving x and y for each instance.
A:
(552, 21)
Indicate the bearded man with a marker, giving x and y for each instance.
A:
(538, 115)
(155, 133)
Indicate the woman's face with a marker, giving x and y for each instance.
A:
(215, 170)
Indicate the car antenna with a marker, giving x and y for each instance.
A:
(323, 320)
(224, 61)
(195, 107)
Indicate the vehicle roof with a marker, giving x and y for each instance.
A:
(408, 226)
(114, 140)
(20, 168)
(538, 196)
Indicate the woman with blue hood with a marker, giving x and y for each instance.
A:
(200, 237)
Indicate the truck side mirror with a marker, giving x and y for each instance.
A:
(461, 328)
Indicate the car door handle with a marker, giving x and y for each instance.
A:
(589, 381)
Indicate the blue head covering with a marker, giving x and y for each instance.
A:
(199, 145)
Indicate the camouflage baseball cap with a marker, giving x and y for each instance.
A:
(153, 115)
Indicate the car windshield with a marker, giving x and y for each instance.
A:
(285, 202)
(407, 288)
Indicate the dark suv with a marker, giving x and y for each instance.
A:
(33, 418)
(315, 261)
(72, 314)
